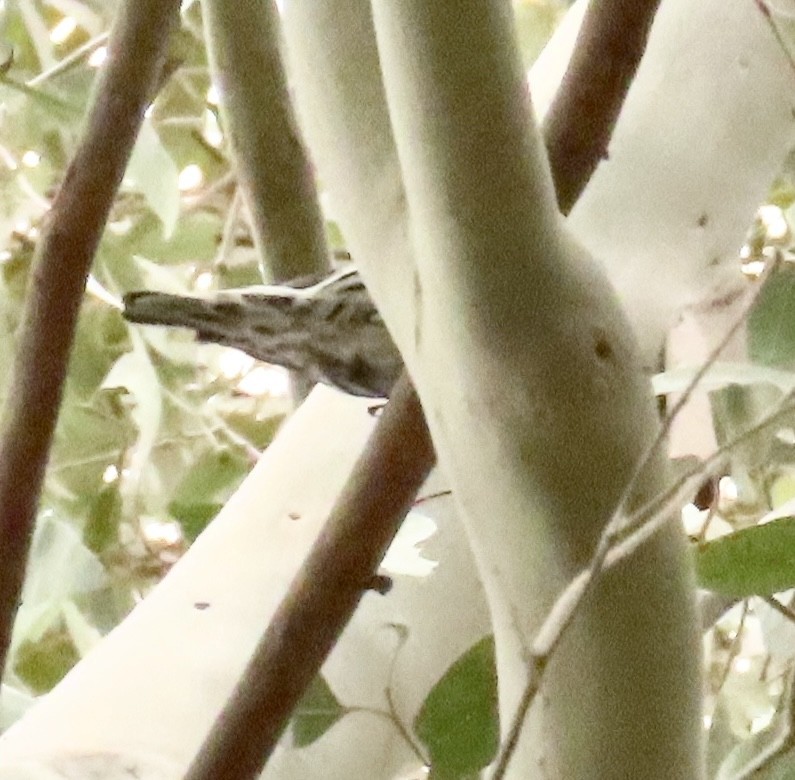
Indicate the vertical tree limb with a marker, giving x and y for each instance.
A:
(274, 170)
(125, 86)
(243, 43)
(535, 393)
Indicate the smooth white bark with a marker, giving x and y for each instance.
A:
(536, 398)
(703, 132)
(145, 697)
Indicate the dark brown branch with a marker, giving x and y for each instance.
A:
(399, 455)
(74, 226)
(580, 121)
(326, 591)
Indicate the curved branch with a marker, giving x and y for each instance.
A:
(126, 84)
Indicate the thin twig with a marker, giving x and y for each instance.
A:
(70, 60)
(565, 608)
(765, 11)
(782, 609)
(734, 649)
(644, 523)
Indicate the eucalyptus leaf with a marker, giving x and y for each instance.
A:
(193, 517)
(459, 721)
(43, 663)
(315, 714)
(152, 172)
(214, 473)
(134, 372)
(755, 561)
(771, 324)
(60, 568)
(102, 526)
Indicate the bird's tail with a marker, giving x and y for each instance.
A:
(262, 331)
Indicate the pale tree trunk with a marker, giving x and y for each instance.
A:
(525, 364)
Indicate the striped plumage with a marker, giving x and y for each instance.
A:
(329, 332)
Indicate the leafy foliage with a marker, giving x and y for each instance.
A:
(771, 326)
(154, 434)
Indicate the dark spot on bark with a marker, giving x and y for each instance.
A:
(602, 347)
(703, 220)
(335, 310)
(200, 605)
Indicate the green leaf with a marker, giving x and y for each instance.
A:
(133, 372)
(195, 240)
(101, 339)
(258, 430)
(60, 566)
(60, 569)
(42, 664)
(193, 517)
(316, 713)
(90, 436)
(153, 173)
(755, 561)
(213, 473)
(459, 722)
(102, 527)
(771, 324)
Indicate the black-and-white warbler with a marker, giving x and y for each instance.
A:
(329, 332)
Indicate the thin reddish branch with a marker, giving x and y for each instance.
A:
(580, 121)
(399, 455)
(339, 569)
(74, 226)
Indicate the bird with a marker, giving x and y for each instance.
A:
(327, 329)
